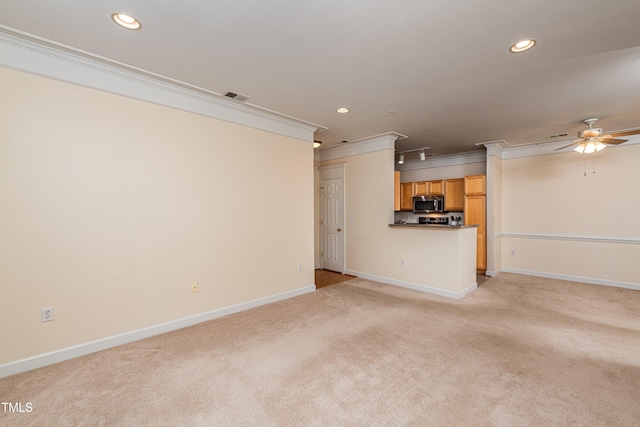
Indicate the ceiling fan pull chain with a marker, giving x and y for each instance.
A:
(585, 167)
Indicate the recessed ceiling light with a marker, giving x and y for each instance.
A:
(317, 144)
(522, 45)
(342, 110)
(126, 21)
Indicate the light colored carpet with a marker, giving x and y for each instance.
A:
(519, 351)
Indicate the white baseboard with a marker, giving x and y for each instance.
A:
(589, 280)
(492, 273)
(57, 356)
(415, 286)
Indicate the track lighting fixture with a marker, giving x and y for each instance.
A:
(423, 155)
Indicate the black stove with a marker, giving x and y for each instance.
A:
(433, 220)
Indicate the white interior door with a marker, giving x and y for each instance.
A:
(332, 224)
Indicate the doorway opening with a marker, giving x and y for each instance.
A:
(332, 218)
(326, 278)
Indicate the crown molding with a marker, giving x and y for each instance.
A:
(30, 54)
(494, 148)
(385, 141)
(503, 150)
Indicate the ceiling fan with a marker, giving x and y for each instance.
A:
(593, 139)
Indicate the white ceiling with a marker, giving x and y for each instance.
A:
(442, 66)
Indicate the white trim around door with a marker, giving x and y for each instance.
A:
(333, 236)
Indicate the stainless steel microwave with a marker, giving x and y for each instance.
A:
(428, 204)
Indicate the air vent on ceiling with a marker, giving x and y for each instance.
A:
(560, 135)
(236, 96)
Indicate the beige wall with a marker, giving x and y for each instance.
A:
(112, 207)
(369, 200)
(561, 222)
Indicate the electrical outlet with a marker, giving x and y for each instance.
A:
(194, 287)
(403, 262)
(47, 314)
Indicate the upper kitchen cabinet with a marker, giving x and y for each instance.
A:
(403, 193)
(475, 185)
(436, 187)
(406, 196)
(421, 188)
(454, 194)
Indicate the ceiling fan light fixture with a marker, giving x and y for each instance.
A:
(126, 21)
(590, 146)
(593, 139)
(600, 146)
(522, 45)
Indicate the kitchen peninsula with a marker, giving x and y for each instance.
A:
(464, 199)
(439, 259)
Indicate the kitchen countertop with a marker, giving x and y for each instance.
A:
(434, 226)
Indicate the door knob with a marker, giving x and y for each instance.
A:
(339, 229)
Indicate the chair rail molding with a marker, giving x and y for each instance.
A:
(575, 238)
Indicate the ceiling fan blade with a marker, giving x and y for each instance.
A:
(567, 146)
(613, 141)
(627, 133)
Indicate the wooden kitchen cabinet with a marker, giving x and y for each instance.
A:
(436, 187)
(421, 188)
(406, 196)
(475, 213)
(475, 185)
(396, 190)
(402, 194)
(454, 194)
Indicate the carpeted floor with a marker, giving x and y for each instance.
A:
(519, 351)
